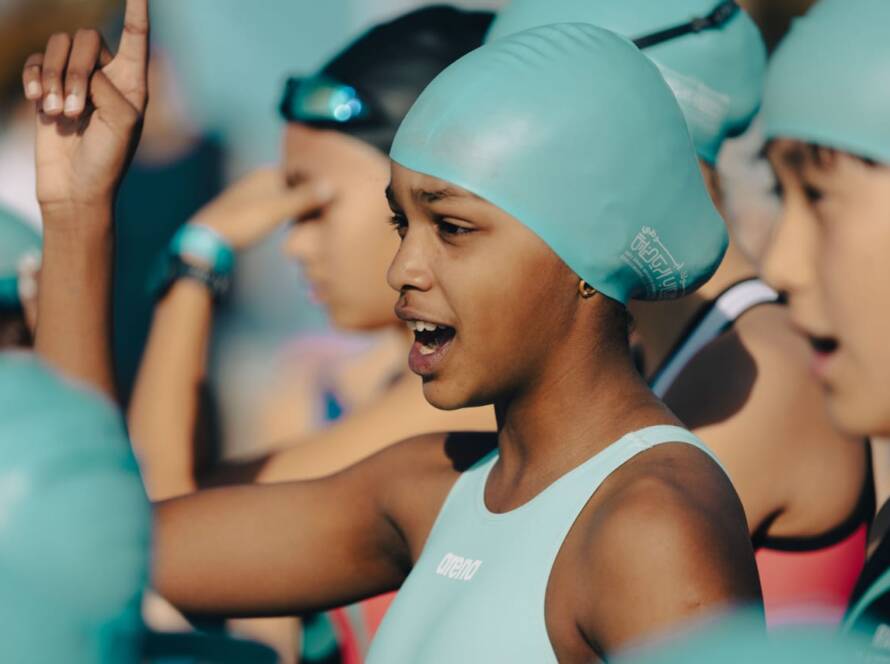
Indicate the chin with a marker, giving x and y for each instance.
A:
(859, 415)
(446, 395)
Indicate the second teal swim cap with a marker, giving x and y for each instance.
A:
(828, 81)
(17, 241)
(716, 73)
(74, 522)
(572, 131)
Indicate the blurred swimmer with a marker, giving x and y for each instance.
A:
(340, 124)
(826, 107)
(75, 522)
(19, 265)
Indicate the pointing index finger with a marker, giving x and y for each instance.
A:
(134, 40)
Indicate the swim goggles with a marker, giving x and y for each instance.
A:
(321, 99)
(719, 16)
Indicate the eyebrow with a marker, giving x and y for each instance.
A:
(295, 178)
(434, 196)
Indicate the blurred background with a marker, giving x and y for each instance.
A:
(217, 70)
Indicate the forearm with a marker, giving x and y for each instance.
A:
(165, 407)
(74, 307)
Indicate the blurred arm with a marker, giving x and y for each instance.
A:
(165, 407)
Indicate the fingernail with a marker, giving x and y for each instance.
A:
(33, 89)
(71, 103)
(52, 103)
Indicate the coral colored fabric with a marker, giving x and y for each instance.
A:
(811, 586)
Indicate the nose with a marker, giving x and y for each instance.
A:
(303, 240)
(789, 265)
(410, 269)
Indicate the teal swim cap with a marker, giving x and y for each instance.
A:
(570, 130)
(74, 522)
(828, 81)
(17, 240)
(741, 639)
(716, 72)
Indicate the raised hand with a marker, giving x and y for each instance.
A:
(90, 107)
(255, 205)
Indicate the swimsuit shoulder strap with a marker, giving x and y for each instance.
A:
(717, 317)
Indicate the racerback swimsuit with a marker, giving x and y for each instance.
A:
(477, 591)
(802, 580)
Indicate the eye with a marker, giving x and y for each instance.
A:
(778, 190)
(400, 223)
(813, 194)
(450, 229)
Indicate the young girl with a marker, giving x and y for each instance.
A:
(595, 520)
(806, 488)
(825, 109)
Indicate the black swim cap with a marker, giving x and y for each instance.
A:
(390, 65)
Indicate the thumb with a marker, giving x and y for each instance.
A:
(111, 106)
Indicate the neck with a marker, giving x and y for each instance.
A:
(660, 324)
(584, 400)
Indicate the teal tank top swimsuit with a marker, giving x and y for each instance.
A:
(476, 594)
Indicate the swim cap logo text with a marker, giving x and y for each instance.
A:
(458, 567)
(663, 277)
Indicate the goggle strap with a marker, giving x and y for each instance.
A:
(721, 15)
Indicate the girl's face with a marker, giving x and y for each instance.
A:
(487, 298)
(829, 254)
(345, 249)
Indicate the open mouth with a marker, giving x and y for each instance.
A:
(823, 345)
(430, 337)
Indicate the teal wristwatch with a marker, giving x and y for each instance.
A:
(195, 252)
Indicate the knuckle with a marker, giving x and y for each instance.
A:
(86, 34)
(60, 38)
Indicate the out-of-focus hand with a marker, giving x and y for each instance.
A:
(254, 206)
(90, 106)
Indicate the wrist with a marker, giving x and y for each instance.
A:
(75, 217)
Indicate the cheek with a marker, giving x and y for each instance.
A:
(855, 281)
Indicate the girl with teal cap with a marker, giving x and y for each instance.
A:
(74, 522)
(19, 260)
(591, 519)
(826, 109)
(809, 525)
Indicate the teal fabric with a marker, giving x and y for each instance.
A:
(573, 132)
(476, 594)
(716, 74)
(740, 639)
(17, 240)
(827, 82)
(74, 522)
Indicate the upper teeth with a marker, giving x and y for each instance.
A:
(422, 326)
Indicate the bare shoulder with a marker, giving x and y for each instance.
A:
(663, 540)
(413, 477)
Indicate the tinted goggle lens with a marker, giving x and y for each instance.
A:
(322, 99)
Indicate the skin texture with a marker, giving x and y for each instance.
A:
(265, 550)
(797, 476)
(827, 254)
